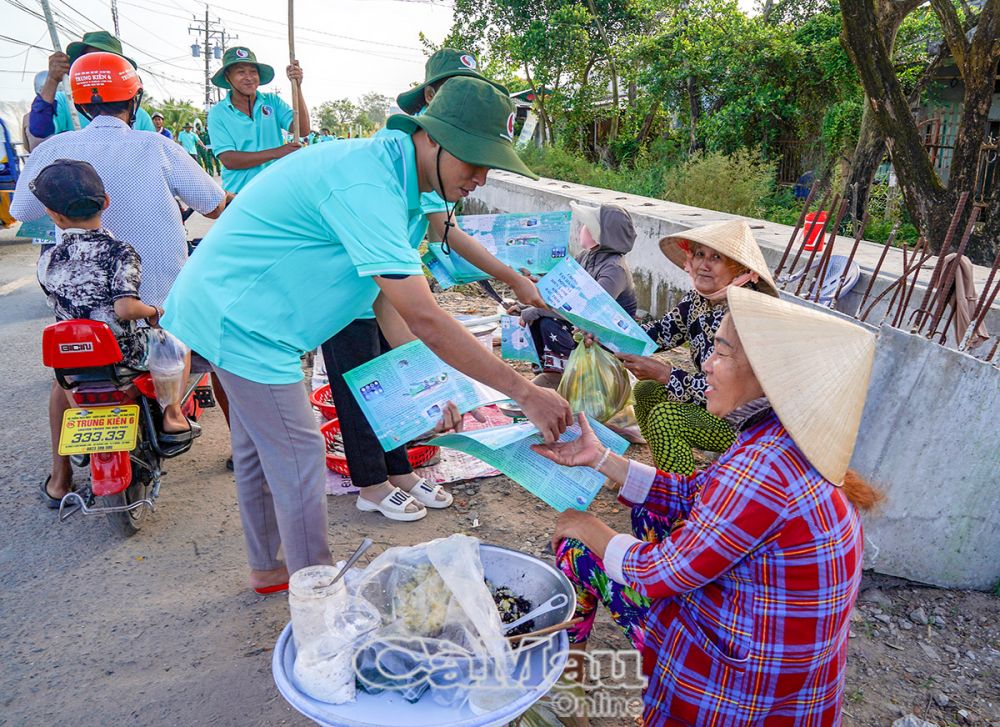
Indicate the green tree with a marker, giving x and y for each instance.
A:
(374, 107)
(337, 115)
(175, 112)
(976, 55)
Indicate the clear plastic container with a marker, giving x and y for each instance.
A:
(326, 625)
(310, 593)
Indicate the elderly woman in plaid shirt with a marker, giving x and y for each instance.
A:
(741, 603)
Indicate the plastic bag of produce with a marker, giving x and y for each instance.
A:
(440, 627)
(165, 360)
(595, 382)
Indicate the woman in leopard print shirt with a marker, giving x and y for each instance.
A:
(670, 402)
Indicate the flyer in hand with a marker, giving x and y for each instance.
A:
(580, 299)
(535, 242)
(403, 393)
(508, 449)
(450, 269)
(515, 341)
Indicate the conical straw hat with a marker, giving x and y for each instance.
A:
(732, 239)
(814, 369)
(590, 217)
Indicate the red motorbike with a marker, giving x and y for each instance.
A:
(115, 425)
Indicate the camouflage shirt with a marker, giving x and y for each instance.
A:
(85, 274)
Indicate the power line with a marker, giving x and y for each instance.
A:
(18, 41)
(319, 32)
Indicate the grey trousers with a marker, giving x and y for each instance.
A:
(279, 460)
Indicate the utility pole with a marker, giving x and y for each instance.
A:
(114, 17)
(208, 29)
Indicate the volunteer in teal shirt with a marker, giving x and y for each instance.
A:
(189, 141)
(246, 126)
(289, 264)
(375, 473)
(297, 253)
(444, 64)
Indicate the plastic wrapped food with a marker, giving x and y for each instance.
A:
(165, 361)
(440, 628)
(595, 382)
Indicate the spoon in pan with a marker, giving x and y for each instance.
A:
(557, 601)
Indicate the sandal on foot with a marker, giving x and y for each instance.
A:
(50, 502)
(393, 506)
(267, 590)
(170, 439)
(428, 495)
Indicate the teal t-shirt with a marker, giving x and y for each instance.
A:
(289, 264)
(63, 120)
(233, 130)
(189, 141)
(431, 202)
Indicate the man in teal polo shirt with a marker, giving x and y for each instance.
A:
(246, 126)
(189, 141)
(50, 111)
(376, 473)
(290, 264)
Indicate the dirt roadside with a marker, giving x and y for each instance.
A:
(161, 629)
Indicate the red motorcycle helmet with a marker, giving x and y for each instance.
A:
(103, 78)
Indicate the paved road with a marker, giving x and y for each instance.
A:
(159, 629)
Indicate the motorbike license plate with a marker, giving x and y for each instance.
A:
(99, 429)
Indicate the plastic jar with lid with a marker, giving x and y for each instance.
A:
(311, 593)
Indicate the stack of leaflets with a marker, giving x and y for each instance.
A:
(572, 293)
(403, 393)
(535, 242)
(508, 449)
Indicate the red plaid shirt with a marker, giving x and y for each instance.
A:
(752, 592)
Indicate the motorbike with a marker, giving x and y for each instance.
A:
(115, 424)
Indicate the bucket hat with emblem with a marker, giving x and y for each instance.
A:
(241, 54)
(99, 39)
(445, 63)
(472, 121)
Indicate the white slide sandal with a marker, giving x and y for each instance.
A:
(393, 506)
(429, 496)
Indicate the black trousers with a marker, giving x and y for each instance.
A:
(358, 343)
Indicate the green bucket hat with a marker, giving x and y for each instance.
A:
(100, 39)
(446, 63)
(241, 54)
(472, 121)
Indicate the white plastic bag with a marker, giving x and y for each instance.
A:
(324, 669)
(441, 630)
(165, 361)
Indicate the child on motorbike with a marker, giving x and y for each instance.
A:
(89, 274)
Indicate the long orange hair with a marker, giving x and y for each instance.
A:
(861, 494)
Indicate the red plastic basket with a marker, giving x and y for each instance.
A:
(419, 455)
(322, 399)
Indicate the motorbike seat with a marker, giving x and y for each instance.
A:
(115, 373)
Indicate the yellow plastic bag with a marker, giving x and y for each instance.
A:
(595, 382)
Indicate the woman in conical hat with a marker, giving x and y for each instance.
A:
(670, 402)
(742, 609)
